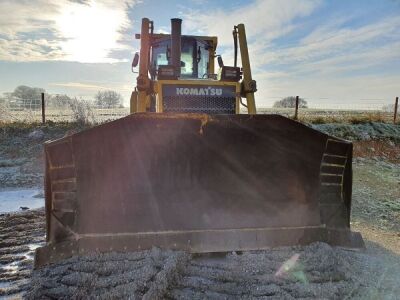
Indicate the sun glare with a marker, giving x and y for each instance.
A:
(90, 31)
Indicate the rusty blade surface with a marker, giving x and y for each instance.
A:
(195, 173)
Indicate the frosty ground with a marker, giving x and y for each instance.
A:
(315, 271)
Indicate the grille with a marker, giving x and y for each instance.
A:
(200, 104)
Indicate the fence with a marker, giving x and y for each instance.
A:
(41, 110)
(328, 110)
(320, 110)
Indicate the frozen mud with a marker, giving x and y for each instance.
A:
(20, 234)
(317, 271)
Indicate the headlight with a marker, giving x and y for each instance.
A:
(167, 72)
(230, 74)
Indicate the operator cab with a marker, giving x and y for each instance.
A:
(197, 58)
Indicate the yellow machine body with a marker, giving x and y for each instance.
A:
(151, 87)
(187, 171)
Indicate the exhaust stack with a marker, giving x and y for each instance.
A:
(176, 32)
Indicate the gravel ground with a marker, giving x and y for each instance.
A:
(316, 271)
(20, 234)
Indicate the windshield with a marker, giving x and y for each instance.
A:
(194, 57)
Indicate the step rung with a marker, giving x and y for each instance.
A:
(63, 205)
(328, 174)
(64, 186)
(67, 196)
(335, 155)
(64, 210)
(62, 167)
(332, 165)
(338, 170)
(331, 178)
(72, 180)
(62, 173)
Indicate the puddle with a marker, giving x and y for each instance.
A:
(12, 200)
(5, 285)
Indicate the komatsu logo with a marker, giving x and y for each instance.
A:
(208, 91)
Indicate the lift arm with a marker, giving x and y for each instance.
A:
(143, 80)
(248, 84)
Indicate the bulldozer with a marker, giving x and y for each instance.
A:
(187, 170)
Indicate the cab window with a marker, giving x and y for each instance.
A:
(194, 57)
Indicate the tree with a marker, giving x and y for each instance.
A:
(60, 101)
(26, 97)
(24, 92)
(108, 99)
(290, 102)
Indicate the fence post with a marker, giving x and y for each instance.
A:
(297, 108)
(43, 110)
(396, 104)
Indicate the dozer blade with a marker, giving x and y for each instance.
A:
(196, 182)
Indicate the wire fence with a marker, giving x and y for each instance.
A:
(325, 110)
(33, 110)
(84, 109)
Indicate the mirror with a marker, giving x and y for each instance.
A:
(135, 60)
(220, 61)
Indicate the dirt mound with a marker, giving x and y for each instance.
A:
(365, 131)
(21, 151)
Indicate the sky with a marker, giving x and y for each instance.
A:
(333, 53)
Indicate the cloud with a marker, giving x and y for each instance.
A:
(343, 43)
(84, 31)
(338, 58)
(26, 16)
(264, 19)
(30, 50)
(79, 85)
(343, 64)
